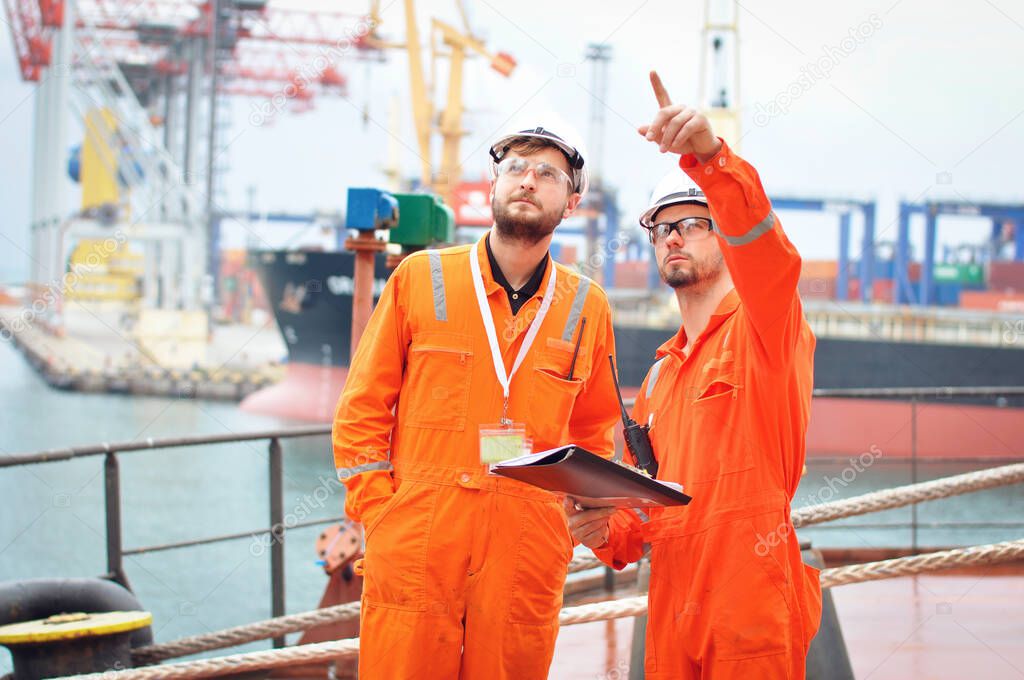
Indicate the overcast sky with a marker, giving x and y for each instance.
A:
(918, 102)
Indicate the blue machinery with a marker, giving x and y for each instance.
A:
(904, 292)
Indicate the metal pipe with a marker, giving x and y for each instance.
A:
(112, 501)
(365, 246)
(165, 443)
(907, 525)
(920, 392)
(913, 472)
(225, 537)
(212, 218)
(277, 601)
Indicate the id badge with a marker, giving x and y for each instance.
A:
(502, 442)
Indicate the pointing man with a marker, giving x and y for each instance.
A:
(728, 401)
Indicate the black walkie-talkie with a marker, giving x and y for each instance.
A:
(637, 436)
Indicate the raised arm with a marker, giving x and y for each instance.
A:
(764, 265)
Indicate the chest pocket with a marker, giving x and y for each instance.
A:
(552, 393)
(714, 409)
(437, 381)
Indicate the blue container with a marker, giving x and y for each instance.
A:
(947, 293)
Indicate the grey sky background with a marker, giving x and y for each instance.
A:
(926, 94)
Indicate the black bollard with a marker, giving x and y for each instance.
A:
(827, 658)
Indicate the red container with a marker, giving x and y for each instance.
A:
(1006, 276)
(568, 255)
(882, 291)
(631, 274)
(817, 288)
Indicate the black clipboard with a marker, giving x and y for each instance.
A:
(594, 482)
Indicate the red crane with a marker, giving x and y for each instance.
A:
(263, 50)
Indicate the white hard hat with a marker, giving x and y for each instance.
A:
(675, 188)
(571, 150)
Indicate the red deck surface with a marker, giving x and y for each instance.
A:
(935, 627)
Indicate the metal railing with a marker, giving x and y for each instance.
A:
(116, 551)
(916, 395)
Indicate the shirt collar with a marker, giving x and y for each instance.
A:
(726, 308)
(530, 288)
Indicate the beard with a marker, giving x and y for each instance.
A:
(700, 275)
(522, 224)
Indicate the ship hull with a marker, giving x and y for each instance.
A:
(310, 294)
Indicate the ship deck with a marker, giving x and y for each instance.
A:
(935, 627)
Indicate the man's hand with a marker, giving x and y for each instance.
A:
(679, 129)
(589, 527)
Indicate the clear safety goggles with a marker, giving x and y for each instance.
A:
(689, 228)
(544, 172)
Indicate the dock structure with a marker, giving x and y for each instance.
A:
(93, 352)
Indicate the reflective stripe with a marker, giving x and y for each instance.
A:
(755, 232)
(577, 309)
(437, 280)
(652, 377)
(345, 473)
(641, 514)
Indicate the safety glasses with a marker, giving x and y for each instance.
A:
(689, 228)
(544, 172)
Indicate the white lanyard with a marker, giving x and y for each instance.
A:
(492, 336)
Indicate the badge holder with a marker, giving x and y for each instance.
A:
(503, 441)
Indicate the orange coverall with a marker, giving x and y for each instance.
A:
(729, 595)
(464, 571)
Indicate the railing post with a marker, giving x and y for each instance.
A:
(277, 606)
(638, 649)
(913, 471)
(112, 502)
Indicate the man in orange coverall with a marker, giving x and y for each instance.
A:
(728, 401)
(464, 571)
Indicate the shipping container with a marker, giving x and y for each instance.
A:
(958, 273)
(1006, 276)
(566, 255)
(819, 269)
(947, 293)
(993, 300)
(817, 288)
(631, 274)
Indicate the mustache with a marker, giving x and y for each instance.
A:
(523, 197)
(674, 253)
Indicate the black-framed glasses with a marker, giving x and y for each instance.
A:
(689, 228)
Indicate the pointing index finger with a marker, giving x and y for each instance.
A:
(659, 90)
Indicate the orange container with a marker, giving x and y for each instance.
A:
(819, 269)
(994, 300)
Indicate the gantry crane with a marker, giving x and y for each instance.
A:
(155, 68)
